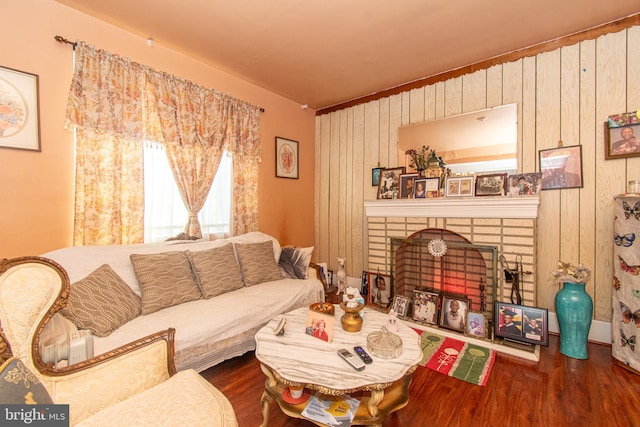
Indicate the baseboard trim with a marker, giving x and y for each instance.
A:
(600, 331)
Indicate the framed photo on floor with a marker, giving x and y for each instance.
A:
(400, 306)
(453, 314)
(476, 325)
(521, 323)
(425, 306)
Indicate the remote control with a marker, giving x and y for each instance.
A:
(363, 354)
(351, 359)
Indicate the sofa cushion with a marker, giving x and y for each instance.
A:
(257, 262)
(101, 302)
(216, 270)
(294, 262)
(165, 279)
(18, 385)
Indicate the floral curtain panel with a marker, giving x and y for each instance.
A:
(119, 99)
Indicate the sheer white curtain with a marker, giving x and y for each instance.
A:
(164, 212)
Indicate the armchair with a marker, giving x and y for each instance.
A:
(135, 384)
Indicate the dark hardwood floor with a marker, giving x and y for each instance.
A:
(557, 391)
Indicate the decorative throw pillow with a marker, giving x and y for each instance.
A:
(166, 279)
(18, 385)
(295, 261)
(257, 262)
(101, 302)
(216, 270)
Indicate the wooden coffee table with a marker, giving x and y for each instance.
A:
(300, 359)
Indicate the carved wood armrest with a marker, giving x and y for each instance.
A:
(319, 274)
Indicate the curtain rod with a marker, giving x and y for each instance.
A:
(61, 39)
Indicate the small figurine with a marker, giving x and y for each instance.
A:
(393, 321)
(352, 297)
(342, 276)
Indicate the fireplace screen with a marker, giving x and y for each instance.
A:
(446, 262)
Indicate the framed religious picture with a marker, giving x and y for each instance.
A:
(491, 184)
(286, 158)
(561, 167)
(425, 306)
(622, 136)
(389, 184)
(476, 325)
(406, 185)
(525, 184)
(521, 323)
(380, 293)
(453, 314)
(20, 115)
(400, 306)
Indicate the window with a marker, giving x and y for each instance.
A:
(164, 212)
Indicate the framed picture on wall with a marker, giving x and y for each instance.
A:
(286, 158)
(622, 136)
(375, 176)
(561, 167)
(20, 116)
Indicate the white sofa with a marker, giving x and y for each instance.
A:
(208, 330)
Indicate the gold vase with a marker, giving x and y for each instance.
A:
(351, 319)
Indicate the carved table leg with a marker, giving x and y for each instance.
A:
(265, 400)
(374, 400)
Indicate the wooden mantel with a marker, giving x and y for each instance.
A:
(450, 207)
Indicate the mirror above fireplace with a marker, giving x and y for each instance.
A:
(482, 141)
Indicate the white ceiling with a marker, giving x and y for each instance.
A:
(327, 52)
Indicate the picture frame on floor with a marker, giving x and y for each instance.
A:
(400, 306)
(521, 323)
(425, 306)
(476, 325)
(453, 312)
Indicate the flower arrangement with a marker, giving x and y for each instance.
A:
(419, 157)
(571, 273)
(423, 158)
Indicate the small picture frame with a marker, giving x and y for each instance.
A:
(389, 182)
(622, 136)
(491, 184)
(407, 185)
(380, 292)
(375, 176)
(432, 188)
(400, 306)
(21, 110)
(419, 188)
(521, 323)
(459, 186)
(525, 184)
(453, 314)
(476, 325)
(320, 325)
(287, 163)
(561, 167)
(425, 306)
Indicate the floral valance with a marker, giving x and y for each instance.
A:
(111, 94)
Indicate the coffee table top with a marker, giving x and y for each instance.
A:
(299, 358)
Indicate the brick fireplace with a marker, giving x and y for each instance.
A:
(498, 225)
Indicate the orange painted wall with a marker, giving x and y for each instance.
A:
(36, 188)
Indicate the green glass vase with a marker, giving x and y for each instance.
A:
(574, 308)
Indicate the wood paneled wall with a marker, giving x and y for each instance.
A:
(562, 95)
